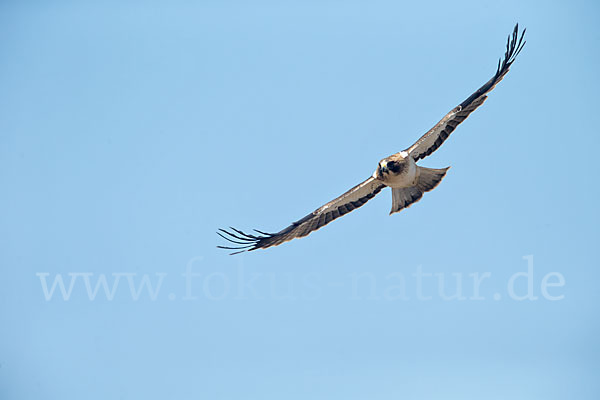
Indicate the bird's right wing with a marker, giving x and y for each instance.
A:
(352, 199)
(434, 138)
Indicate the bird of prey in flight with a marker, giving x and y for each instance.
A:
(407, 180)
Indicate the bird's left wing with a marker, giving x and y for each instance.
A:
(434, 138)
(352, 199)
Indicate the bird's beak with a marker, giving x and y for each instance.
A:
(378, 174)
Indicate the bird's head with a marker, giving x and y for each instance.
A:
(389, 166)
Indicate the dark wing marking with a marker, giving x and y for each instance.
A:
(434, 138)
(352, 199)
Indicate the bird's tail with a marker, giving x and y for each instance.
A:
(428, 178)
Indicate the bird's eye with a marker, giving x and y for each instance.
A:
(394, 166)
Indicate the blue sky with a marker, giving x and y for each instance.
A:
(131, 131)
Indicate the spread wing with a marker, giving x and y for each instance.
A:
(352, 199)
(434, 138)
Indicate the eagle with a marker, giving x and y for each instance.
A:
(407, 180)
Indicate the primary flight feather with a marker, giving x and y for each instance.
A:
(407, 180)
